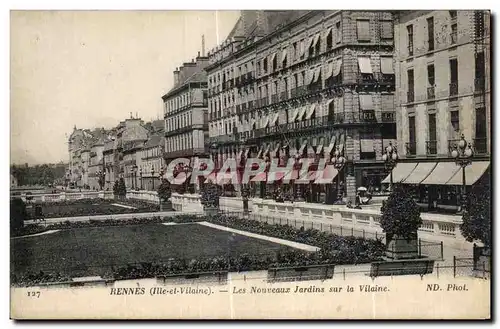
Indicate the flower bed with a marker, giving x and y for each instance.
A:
(334, 249)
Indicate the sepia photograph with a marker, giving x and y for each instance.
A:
(250, 164)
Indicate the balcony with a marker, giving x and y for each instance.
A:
(453, 89)
(431, 147)
(410, 96)
(452, 144)
(411, 149)
(480, 146)
(431, 92)
(479, 85)
(293, 92)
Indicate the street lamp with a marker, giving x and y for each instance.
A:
(140, 173)
(390, 158)
(338, 162)
(463, 153)
(134, 175)
(153, 176)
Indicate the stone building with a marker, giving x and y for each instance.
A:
(304, 84)
(150, 159)
(443, 82)
(186, 114)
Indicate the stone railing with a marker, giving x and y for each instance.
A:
(148, 196)
(66, 196)
(435, 227)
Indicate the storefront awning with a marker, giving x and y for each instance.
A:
(400, 172)
(421, 171)
(329, 70)
(365, 65)
(302, 147)
(441, 174)
(310, 112)
(341, 142)
(473, 172)
(268, 148)
(261, 149)
(246, 153)
(274, 153)
(310, 151)
(386, 65)
(327, 175)
(330, 147)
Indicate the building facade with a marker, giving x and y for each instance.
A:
(304, 84)
(443, 82)
(186, 113)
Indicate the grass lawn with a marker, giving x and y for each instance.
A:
(93, 251)
(89, 207)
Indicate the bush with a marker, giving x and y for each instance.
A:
(477, 218)
(18, 214)
(164, 190)
(400, 215)
(210, 194)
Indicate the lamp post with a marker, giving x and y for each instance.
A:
(390, 158)
(153, 177)
(140, 173)
(463, 153)
(338, 162)
(134, 175)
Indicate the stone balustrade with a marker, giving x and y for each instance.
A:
(435, 227)
(66, 196)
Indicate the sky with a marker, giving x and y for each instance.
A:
(92, 68)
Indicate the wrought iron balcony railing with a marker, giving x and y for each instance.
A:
(411, 148)
(453, 89)
(431, 147)
(431, 92)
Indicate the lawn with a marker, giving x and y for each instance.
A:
(95, 251)
(92, 207)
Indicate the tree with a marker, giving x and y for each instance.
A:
(400, 215)
(119, 189)
(18, 213)
(477, 219)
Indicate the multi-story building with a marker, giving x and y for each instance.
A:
(97, 165)
(85, 158)
(131, 136)
(304, 84)
(443, 82)
(111, 162)
(79, 144)
(186, 113)
(150, 158)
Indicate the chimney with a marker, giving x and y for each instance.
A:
(203, 45)
(176, 76)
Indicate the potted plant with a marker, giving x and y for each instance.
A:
(400, 221)
(210, 194)
(164, 195)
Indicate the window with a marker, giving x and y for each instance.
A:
(387, 31)
(453, 77)
(453, 14)
(409, 30)
(480, 140)
(431, 80)
(432, 128)
(318, 45)
(455, 123)
(480, 73)
(258, 67)
(363, 30)
(412, 145)
(295, 54)
(265, 65)
(430, 33)
(338, 36)
(329, 39)
(275, 62)
(411, 86)
(454, 35)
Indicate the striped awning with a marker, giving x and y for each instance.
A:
(326, 175)
(421, 171)
(302, 147)
(317, 74)
(337, 67)
(441, 174)
(473, 172)
(400, 172)
(329, 70)
(246, 153)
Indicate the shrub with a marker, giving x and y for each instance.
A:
(477, 218)
(18, 214)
